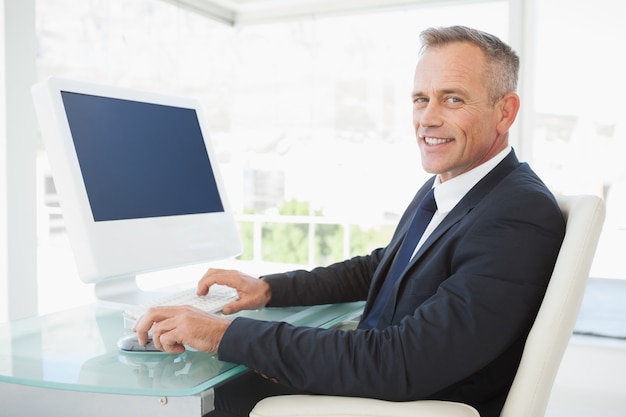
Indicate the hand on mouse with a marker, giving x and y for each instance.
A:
(174, 327)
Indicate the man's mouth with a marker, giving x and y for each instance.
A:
(435, 141)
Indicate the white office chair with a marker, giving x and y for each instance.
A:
(542, 354)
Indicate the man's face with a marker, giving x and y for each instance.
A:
(456, 125)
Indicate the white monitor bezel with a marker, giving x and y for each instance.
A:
(123, 248)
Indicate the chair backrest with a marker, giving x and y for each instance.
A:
(551, 331)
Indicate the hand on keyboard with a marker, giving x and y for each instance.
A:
(176, 327)
(253, 293)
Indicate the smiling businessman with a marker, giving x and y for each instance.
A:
(447, 311)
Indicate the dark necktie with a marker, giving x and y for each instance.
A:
(421, 218)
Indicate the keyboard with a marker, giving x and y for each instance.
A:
(218, 297)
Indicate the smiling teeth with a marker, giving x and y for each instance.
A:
(436, 141)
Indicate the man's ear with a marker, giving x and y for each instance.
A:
(508, 107)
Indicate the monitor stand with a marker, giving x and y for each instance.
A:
(124, 290)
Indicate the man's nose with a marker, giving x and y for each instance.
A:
(430, 115)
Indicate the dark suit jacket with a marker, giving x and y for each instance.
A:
(456, 322)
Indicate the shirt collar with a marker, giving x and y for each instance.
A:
(449, 193)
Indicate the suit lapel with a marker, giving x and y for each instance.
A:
(394, 245)
(467, 203)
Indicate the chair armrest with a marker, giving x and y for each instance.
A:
(329, 406)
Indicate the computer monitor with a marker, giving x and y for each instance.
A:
(137, 180)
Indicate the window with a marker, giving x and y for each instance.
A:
(580, 131)
(308, 117)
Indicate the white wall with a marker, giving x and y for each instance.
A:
(18, 140)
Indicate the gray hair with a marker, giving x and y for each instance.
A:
(502, 63)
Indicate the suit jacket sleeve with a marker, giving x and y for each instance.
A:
(460, 317)
(345, 281)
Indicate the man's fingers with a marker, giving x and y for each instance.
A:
(173, 328)
(165, 336)
(213, 276)
(234, 307)
(170, 343)
(146, 322)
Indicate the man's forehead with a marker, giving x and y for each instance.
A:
(447, 79)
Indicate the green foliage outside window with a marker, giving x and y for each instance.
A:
(289, 242)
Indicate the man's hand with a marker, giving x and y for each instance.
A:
(174, 327)
(253, 293)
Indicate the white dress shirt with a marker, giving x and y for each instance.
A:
(449, 193)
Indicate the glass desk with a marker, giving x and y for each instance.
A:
(68, 364)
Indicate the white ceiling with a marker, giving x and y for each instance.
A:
(235, 12)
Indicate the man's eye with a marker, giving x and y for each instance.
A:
(453, 100)
(420, 100)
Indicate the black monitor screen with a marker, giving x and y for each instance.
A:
(140, 159)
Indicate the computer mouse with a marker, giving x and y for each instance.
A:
(130, 343)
